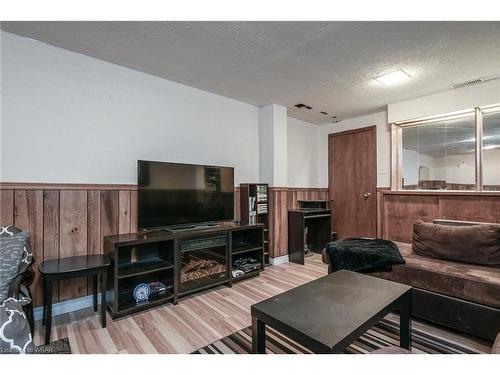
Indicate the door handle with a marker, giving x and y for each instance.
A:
(367, 195)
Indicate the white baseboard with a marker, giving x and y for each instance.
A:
(279, 260)
(68, 306)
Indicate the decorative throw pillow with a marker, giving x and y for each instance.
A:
(477, 244)
(11, 254)
(15, 334)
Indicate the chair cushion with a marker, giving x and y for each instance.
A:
(11, 255)
(471, 282)
(477, 244)
(15, 334)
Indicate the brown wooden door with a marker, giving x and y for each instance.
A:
(352, 182)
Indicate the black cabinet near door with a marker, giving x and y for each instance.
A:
(308, 227)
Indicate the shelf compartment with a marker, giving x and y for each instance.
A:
(126, 286)
(246, 239)
(246, 248)
(144, 257)
(246, 276)
(130, 306)
(143, 267)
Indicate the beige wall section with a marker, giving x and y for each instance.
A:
(303, 157)
(446, 102)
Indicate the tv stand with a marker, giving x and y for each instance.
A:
(191, 227)
(168, 257)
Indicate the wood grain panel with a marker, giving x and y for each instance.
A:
(109, 212)
(398, 211)
(352, 182)
(94, 239)
(28, 215)
(278, 223)
(402, 211)
(478, 208)
(133, 211)
(300, 194)
(124, 211)
(281, 200)
(237, 205)
(51, 224)
(6, 207)
(73, 237)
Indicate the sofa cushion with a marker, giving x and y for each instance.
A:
(471, 282)
(477, 244)
(11, 254)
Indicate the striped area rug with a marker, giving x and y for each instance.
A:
(426, 339)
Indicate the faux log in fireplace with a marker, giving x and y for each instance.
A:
(183, 262)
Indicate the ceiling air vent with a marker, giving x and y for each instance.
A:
(302, 105)
(467, 83)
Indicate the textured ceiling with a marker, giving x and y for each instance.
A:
(327, 65)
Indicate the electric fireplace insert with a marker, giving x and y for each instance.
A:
(203, 261)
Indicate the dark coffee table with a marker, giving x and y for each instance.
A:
(330, 313)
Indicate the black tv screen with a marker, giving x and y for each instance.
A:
(172, 194)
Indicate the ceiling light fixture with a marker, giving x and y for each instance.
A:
(393, 78)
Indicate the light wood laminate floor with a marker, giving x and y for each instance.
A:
(196, 321)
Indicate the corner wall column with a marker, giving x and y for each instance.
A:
(273, 170)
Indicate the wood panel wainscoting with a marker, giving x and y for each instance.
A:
(398, 210)
(281, 199)
(67, 220)
(72, 219)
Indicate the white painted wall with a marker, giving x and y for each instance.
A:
(303, 154)
(458, 169)
(280, 146)
(266, 145)
(491, 167)
(383, 145)
(411, 167)
(273, 137)
(444, 102)
(67, 117)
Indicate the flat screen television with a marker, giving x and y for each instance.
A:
(172, 194)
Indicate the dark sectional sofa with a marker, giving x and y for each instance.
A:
(458, 295)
